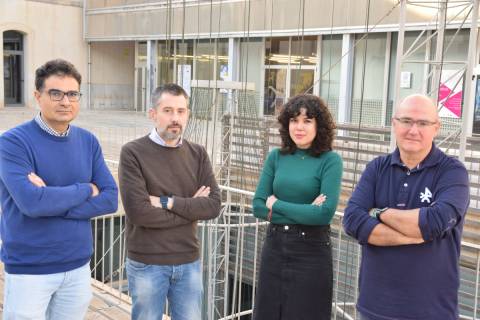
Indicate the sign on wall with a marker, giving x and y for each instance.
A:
(450, 95)
(184, 77)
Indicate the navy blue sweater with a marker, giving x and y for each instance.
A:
(411, 281)
(47, 230)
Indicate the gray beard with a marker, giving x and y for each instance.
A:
(169, 136)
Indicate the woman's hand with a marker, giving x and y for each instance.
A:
(270, 201)
(319, 200)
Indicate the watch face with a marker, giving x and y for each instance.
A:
(164, 202)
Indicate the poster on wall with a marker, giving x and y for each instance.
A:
(184, 77)
(450, 97)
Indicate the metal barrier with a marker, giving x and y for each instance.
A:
(231, 246)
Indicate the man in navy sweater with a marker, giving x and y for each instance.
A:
(407, 212)
(53, 179)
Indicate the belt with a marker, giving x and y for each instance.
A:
(301, 229)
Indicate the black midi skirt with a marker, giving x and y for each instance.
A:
(296, 275)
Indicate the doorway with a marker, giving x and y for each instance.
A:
(13, 68)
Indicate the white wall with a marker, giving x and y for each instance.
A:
(112, 75)
(50, 31)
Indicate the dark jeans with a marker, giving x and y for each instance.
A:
(296, 276)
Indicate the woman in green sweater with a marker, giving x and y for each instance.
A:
(298, 193)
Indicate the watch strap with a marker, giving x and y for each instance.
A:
(164, 202)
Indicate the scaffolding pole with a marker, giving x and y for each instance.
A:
(468, 98)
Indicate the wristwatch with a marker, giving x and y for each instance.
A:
(164, 202)
(376, 213)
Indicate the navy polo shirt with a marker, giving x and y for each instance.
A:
(411, 281)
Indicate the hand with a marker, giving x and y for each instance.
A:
(95, 190)
(155, 201)
(319, 200)
(36, 180)
(202, 192)
(270, 201)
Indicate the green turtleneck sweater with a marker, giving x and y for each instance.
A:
(296, 180)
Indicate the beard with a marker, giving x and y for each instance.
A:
(169, 136)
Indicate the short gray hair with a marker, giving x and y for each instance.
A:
(171, 88)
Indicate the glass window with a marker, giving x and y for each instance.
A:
(184, 59)
(205, 56)
(450, 94)
(372, 81)
(276, 51)
(476, 114)
(275, 89)
(304, 51)
(251, 61)
(330, 71)
(165, 62)
(301, 81)
(12, 40)
(142, 51)
(414, 73)
(222, 59)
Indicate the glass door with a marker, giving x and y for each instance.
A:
(141, 89)
(12, 67)
(275, 90)
(301, 81)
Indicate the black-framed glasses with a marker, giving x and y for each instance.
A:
(408, 123)
(57, 95)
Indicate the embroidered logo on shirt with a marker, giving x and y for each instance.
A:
(425, 196)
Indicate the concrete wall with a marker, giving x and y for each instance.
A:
(112, 75)
(52, 29)
(127, 19)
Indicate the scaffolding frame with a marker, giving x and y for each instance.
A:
(436, 65)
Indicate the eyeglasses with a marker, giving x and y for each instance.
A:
(57, 95)
(408, 123)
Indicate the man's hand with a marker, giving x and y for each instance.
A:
(155, 201)
(319, 200)
(202, 192)
(95, 190)
(36, 180)
(271, 201)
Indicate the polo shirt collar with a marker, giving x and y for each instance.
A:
(433, 157)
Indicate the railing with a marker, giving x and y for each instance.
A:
(231, 246)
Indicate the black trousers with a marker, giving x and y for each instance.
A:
(296, 275)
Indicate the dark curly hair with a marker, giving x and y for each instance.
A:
(316, 109)
(57, 67)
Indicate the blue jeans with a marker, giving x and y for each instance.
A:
(151, 285)
(56, 296)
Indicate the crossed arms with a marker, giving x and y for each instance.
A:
(144, 209)
(36, 199)
(412, 226)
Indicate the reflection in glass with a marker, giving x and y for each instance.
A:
(367, 95)
(205, 59)
(301, 81)
(222, 59)
(304, 51)
(276, 51)
(275, 89)
(165, 62)
(142, 51)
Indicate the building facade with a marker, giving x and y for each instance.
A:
(33, 32)
(342, 50)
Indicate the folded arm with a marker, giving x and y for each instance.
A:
(136, 199)
(33, 201)
(107, 199)
(312, 213)
(203, 207)
(358, 223)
